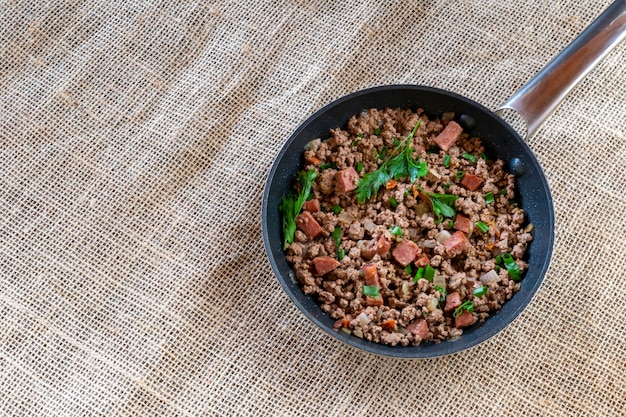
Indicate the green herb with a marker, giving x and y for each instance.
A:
(371, 291)
(482, 227)
(399, 164)
(336, 237)
(442, 296)
(511, 267)
(488, 197)
(379, 155)
(419, 274)
(408, 269)
(466, 306)
(377, 131)
(396, 230)
(479, 292)
(469, 157)
(402, 165)
(429, 273)
(336, 209)
(393, 202)
(438, 288)
(446, 161)
(443, 204)
(361, 135)
(290, 206)
(447, 185)
(328, 165)
(502, 191)
(459, 174)
(451, 224)
(484, 156)
(359, 166)
(357, 140)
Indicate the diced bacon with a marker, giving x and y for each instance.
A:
(308, 225)
(342, 323)
(313, 160)
(471, 182)
(449, 135)
(405, 252)
(381, 247)
(462, 223)
(389, 324)
(464, 319)
(346, 180)
(456, 244)
(422, 260)
(312, 206)
(324, 264)
(370, 273)
(374, 301)
(453, 300)
(419, 328)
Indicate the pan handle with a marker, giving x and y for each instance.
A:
(540, 96)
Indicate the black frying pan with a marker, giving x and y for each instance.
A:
(499, 139)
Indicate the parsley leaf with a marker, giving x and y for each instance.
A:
(290, 207)
(399, 164)
(442, 204)
(369, 184)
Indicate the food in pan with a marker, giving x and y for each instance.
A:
(403, 229)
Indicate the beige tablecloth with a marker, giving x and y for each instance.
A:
(135, 140)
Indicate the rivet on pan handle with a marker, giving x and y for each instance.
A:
(540, 96)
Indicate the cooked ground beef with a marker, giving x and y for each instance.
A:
(393, 269)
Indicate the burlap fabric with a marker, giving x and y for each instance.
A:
(135, 139)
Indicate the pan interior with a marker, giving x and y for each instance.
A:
(500, 141)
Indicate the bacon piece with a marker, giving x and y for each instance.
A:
(453, 300)
(381, 247)
(374, 301)
(456, 244)
(449, 135)
(346, 180)
(471, 182)
(389, 324)
(308, 225)
(464, 319)
(462, 223)
(312, 206)
(370, 273)
(419, 328)
(422, 261)
(405, 252)
(343, 322)
(324, 264)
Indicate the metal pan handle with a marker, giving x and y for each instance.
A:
(540, 96)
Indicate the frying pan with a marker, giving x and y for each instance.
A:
(533, 102)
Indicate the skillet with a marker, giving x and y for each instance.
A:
(534, 102)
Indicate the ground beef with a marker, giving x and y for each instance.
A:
(386, 267)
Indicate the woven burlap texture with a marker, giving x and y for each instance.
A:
(135, 141)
